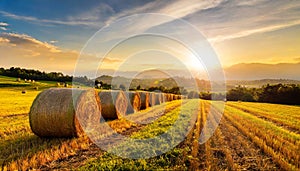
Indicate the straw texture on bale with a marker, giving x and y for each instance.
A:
(167, 97)
(170, 97)
(61, 112)
(152, 99)
(177, 97)
(164, 97)
(113, 104)
(134, 102)
(174, 96)
(144, 99)
(158, 98)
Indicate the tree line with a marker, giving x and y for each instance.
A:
(35, 74)
(277, 93)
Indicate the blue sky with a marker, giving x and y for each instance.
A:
(253, 31)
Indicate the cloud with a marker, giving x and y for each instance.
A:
(99, 13)
(23, 40)
(249, 32)
(219, 20)
(53, 41)
(112, 60)
(3, 26)
(105, 14)
(46, 21)
(3, 40)
(176, 8)
(25, 51)
(236, 19)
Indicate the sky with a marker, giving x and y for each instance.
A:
(51, 35)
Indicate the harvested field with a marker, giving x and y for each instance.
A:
(250, 136)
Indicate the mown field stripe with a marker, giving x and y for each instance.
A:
(284, 164)
(289, 123)
(262, 133)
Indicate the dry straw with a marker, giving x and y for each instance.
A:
(170, 97)
(61, 112)
(144, 99)
(152, 99)
(134, 102)
(158, 98)
(164, 97)
(113, 104)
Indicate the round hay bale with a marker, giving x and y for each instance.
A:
(61, 112)
(164, 97)
(170, 97)
(158, 98)
(152, 99)
(178, 97)
(144, 99)
(167, 97)
(113, 104)
(174, 96)
(23, 91)
(134, 102)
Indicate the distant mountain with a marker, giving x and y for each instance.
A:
(258, 71)
(187, 83)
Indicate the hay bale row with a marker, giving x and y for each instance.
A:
(114, 104)
(152, 99)
(60, 112)
(134, 102)
(158, 98)
(144, 96)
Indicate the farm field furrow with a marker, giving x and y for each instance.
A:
(245, 155)
(285, 111)
(287, 121)
(281, 144)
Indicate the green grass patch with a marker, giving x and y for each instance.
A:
(148, 142)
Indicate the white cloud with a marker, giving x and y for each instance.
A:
(38, 20)
(53, 41)
(236, 19)
(3, 24)
(249, 32)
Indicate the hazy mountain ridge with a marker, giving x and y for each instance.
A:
(259, 71)
(204, 85)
